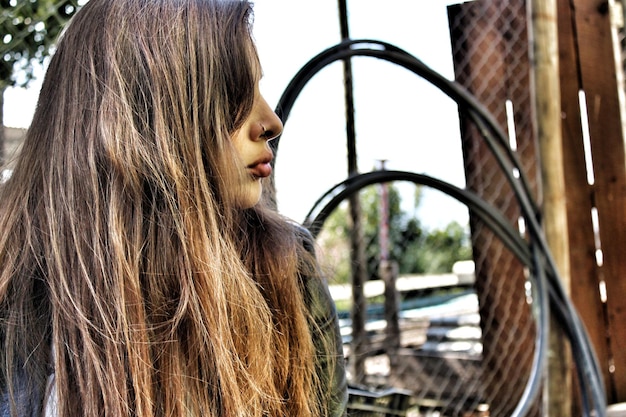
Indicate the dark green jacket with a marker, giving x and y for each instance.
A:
(328, 344)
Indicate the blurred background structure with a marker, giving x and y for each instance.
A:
(452, 319)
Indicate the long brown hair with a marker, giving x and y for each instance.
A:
(128, 271)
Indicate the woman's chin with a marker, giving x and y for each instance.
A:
(250, 194)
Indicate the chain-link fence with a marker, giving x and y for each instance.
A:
(490, 48)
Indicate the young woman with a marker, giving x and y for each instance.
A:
(140, 274)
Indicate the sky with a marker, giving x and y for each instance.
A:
(399, 117)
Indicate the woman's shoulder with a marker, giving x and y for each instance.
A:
(28, 396)
(317, 294)
(304, 236)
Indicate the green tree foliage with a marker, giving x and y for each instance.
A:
(415, 248)
(437, 251)
(29, 29)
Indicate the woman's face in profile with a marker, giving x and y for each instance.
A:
(251, 142)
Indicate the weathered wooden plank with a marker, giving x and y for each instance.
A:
(584, 269)
(599, 82)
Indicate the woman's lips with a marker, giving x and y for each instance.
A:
(260, 169)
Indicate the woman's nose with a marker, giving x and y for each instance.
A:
(271, 123)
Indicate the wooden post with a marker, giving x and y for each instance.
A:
(547, 107)
(388, 271)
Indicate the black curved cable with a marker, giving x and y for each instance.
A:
(535, 255)
(393, 54)
(324, 206)
(493, 219)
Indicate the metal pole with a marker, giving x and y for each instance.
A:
(357, 252)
